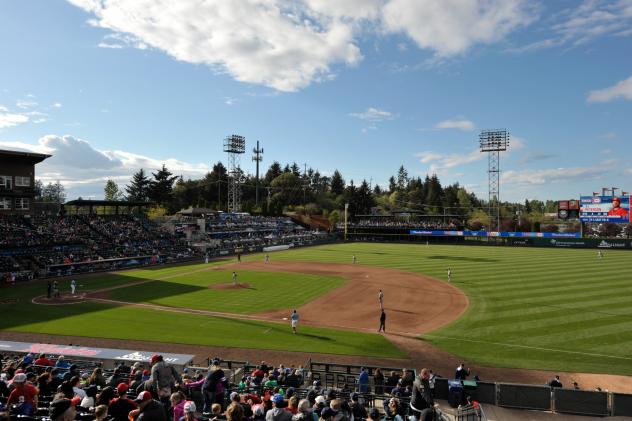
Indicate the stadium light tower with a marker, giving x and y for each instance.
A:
(234, 146)
(493, 142)
(257, 157)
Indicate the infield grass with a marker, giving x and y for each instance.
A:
(189, 284)
(540, 308)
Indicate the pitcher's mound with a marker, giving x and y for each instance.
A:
(231, 286)
(62, 299)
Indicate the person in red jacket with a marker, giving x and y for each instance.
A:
(24, 394)
(617, 210)
(42, 360)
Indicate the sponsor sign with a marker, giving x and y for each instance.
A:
(504, 234)
(103, 354)
(612, 244)
(605, 209)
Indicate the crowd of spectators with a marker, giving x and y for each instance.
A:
(39, 386)
(392, 222)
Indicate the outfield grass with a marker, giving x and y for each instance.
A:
(540, 308)
(92, 319)
(267, 291)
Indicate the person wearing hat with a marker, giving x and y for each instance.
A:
(319, 404)
(24, 394)
(358, 410)
(64, 409)
(277, 413)
(149, 409)
(374, 415)
(164, 377)
(328, 414)
(119, 408)
(214, 385)
(189, 412)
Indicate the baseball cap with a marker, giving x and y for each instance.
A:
(143, 396)
(320, 399)
(374, 414)
(278, 399)
(19, 378)
(316, 382)
(290, 392)
(328, 413)
(154, 358)
(234, 395)
(189, 406)
(122, 388)
(60, 406)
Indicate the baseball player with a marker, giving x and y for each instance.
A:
(73, 286)
(380, 298)
(353, 259)
(234, 278)
(449, 275)
(267, 258)
(294, 321)
(600, 254)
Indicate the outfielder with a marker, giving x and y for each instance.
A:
(73, 286)
(449, 275)
(234, 278)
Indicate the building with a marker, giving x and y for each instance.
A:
(17, 181)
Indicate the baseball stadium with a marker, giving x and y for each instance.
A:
(438, 229)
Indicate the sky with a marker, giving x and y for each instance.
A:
(362, 86)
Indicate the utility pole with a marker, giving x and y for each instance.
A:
(258, 157)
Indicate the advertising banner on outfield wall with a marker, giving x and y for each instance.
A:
(502, 234)
(605, 209)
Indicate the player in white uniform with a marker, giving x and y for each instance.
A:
(380, 298)
(73, 286)
(234, 278)
(449, 275)
(353, 259)
(267, 258)
(600, 254)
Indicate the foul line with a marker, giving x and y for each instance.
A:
(529, 347)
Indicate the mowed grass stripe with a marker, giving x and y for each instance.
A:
(116, 322)
(564, 300)
(267, 291)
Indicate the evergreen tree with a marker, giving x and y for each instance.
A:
(138, 187)
(111, 191)
(161, 187)
(392, 184)
(402, 178)
(273, 172)
(337, 183)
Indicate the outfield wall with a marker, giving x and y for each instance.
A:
(404, 235)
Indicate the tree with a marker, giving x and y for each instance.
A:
(54, 193)
(402, 178)
(111, 191)
(161, 187)
(138, 188)
(337, 183)
(273, 172)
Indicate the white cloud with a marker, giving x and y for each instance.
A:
(580, 24)
(57, 105)
(463, 125)
(280, 44)
(8, 119)
(441, 162)
(288, 45)
(451, 27)
(622, 89)
(551, 175)
(26, 104)
(373, 115)
(75, 163)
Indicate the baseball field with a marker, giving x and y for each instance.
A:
(546, 309)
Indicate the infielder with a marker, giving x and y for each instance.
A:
(380, 298)
(267, 258)
(294, 321)
(353, 259)
(73, 286)
(449, 275)
(234, 278)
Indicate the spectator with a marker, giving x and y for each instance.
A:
(189, 412)
(378, 381)
(163, 376)
(358, 410)
(277, 413)
(43, 361)
(61, 362)
(214, 385)
(421, 397)
(461, 372)
(100, 413)
(119, 408)
(363, 381)
(105, 397)
(374, 414)
(328, 414)
(90, 399)
(64, 409)
(556, 382)
(97, 378)
(149, 409)
(44, 384)
(304, 408)
(177, 405)
(24, 394)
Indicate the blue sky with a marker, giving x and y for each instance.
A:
(363, 86)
